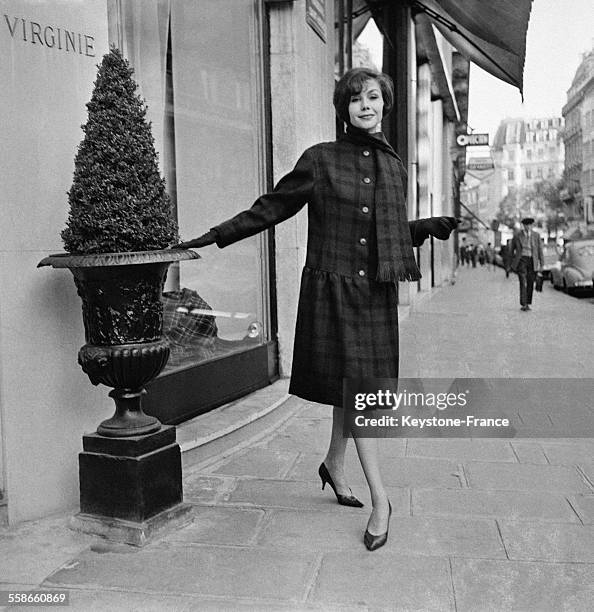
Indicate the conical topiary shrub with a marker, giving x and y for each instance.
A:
(117, 200)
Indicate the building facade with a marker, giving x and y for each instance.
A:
(236, 90)
(578, 136)
(524, 152)
(230, 87)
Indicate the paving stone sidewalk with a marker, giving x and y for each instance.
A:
(478, 524)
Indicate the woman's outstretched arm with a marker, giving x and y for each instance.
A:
(289, 196)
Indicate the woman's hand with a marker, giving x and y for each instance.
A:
(439, 227)
(201, 241)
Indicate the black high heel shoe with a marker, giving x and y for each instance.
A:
(373, 542)
(343, 500)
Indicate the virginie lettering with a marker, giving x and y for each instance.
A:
(50, 36)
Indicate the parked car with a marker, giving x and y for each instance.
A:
(575, 268)
(551, 257)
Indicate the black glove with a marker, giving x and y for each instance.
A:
(440, 227)
(201, 241)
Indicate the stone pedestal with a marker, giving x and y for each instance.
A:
(130, 488)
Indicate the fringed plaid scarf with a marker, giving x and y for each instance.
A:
(396, 259)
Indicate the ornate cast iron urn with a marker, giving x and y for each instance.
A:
(123, 319)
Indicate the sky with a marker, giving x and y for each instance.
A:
(559, 32)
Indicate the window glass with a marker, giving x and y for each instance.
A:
(218, 115)
(198, 65)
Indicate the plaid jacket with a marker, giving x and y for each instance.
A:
(337, 180)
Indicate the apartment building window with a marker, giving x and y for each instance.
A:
(510, 175)
(528, 173)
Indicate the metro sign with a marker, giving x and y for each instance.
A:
(470, 140)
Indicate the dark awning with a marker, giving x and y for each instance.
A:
(441, 85)
(490, 34)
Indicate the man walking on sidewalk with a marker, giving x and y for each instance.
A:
(505, 253)
(463, 252)
(526, 260)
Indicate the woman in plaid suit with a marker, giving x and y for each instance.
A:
(360, 244)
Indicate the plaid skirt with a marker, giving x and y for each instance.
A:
(346, 328)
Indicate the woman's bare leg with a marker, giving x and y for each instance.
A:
(367, 449)
(334, 460)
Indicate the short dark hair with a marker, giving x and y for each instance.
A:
(351, 83)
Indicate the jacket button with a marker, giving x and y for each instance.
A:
(367, 180)
(363, 241)
(366, 153)
(361, 272)
(365, 209)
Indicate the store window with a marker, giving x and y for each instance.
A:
(217, 106)
(199, 65)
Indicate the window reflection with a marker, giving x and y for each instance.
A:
(191, 326)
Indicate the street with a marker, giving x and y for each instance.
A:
(476, 328)
(486, 524)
